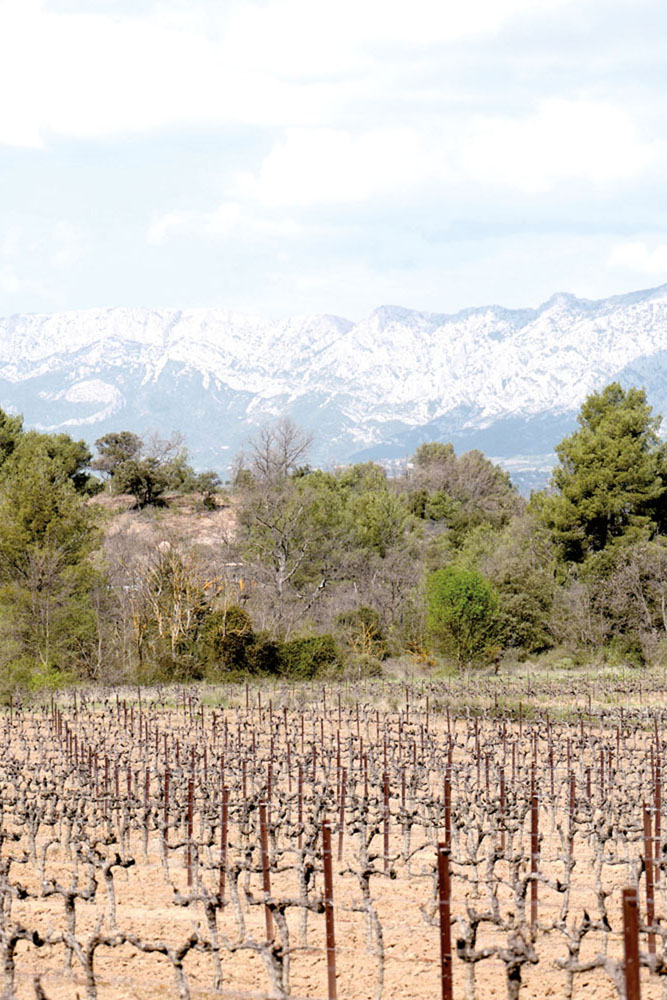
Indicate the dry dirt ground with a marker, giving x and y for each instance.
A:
(182, 516)
(146, 908)
(411, 946)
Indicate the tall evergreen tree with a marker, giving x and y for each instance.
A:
(47, 534)
(609, 481)
(115, 448)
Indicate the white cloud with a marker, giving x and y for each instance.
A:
(637, 256)
(561, 142)
(516, 271)
(13, 250)
(220, 222)
(279, 63)
(230, 218)
(33, 262)
(482, 116)
(298, 37)
(67, 245)
(9, 282)
(330, 166)
(566, 140)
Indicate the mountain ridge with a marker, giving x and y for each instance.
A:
(368, 388)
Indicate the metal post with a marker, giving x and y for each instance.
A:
(190, 826)
(223, 843)
(648, 862)
(444, 910)
(534, 852)
(385, 789)
(341, 817)
(631, 943)
(266, 876)
(329, 910)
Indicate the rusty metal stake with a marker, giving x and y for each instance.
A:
(190, 825)
(648, 862)
(534, 852)
(631, 943)
(300, 806)
(657, 851)
(329, 910)
(385, 788)
(501, 818)
(444, 911)
(341, 817)
(223, 843)
(266, 876)
(448, 810)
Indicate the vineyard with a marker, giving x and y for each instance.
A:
(330, 841)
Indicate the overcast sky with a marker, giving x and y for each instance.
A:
(298, 156)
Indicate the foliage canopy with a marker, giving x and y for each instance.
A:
(461, 616)
(611, 477)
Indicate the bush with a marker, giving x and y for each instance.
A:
(313, 656)
(264, 655)
(461, 614)
(363, 632)
(226, 638)
(625, 649)
(26, 674)
(144, 478)
(162, 667)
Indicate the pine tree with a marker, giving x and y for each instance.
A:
(608, 482)
(47, 535)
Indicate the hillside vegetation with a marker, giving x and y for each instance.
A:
(130, 567)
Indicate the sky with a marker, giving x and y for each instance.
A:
(281, 157)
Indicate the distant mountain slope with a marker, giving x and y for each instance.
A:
(506, 381)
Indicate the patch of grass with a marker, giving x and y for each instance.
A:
(216, 699)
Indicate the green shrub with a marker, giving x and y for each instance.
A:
(24, 673)
(461, 615)
(313, 656)
(264, 655)
(165, 667)
(625, 649)
(226, 638)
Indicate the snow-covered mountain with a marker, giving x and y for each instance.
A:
(507, 381)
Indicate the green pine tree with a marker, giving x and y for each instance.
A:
(609, 480)
(47, 535)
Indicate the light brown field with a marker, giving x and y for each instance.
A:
(403, 899)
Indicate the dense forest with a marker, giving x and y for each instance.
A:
(331, 571)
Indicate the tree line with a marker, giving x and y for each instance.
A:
(319, 571)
